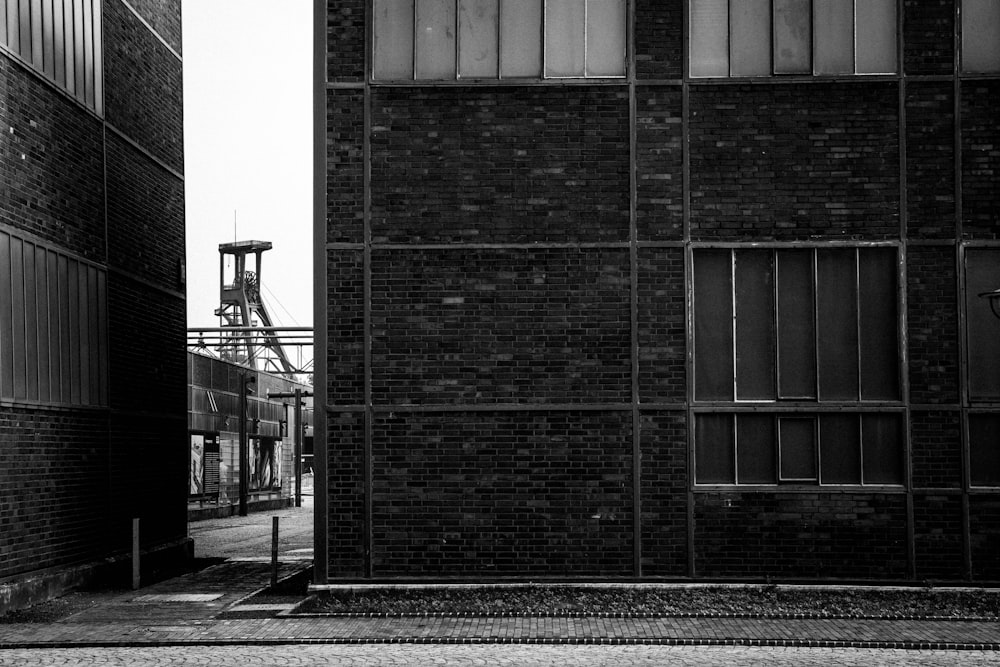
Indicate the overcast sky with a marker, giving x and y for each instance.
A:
(247, 148)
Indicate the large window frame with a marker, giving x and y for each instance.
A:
(980, 20)
(62, 41)
(803, 431)
(777, 38)
(512, 53)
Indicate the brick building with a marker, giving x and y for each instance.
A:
(92, 306)
(653, 289)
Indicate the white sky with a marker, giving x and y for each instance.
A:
(248, 148)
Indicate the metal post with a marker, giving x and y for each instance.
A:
(297, 446)
(245, 379)
(136, 577)
(274, 551)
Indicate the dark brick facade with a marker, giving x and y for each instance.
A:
(510, 306)
(105, 188)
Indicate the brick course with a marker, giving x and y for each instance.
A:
(664, 494)
(790, 162)
(480, 326)
(449, 495)
(481, 164)
(932, 321)
(930, 160)
(980, 159)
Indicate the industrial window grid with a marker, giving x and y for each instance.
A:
(797, 379)
(980, 36)
(440, 40)
(736, 38)
(61, 40)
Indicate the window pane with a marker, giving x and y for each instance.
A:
(755, 452)
(24, 31)
(836, 306)
(792, 37)
(839, 449)
(980, 30)
(879, 346)
(605, 37)
(37, 45)
(797, 449)
(30, 324)
(521, 38)
(876, 29)
(42, 318)
(714, 449)
(48, 48)
(750, 34)
(796, 325)
(984, 449)
(882, 449)
(59, 43)
(69, 38)
(477, 38)
(79, 61)
(565, 27)
(713, 325)
(982, 274)
(6, 319)
(435, 39)
(834, 35)
(3, 21)
(754, 325)
(709, 38)
(88, 53)
(17, 311)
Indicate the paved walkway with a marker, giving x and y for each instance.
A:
(214, 607)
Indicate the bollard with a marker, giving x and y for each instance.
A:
(135, 554)
(274, 551)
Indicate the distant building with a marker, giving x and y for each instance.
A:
(652, 289)
(214, 432)
(92, 306)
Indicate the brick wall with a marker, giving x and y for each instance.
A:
(51, 169)
(928, 36)
(53, 488)
(938, 529)
(932, 319)
(345, 29)
(664, 494)
(803, 535)
(794, 162)
(499, 165)
(980, 159)
(485, 326)
(930, 160)
(164, 16)
(502, 494)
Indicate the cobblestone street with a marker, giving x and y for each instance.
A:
(621, 656)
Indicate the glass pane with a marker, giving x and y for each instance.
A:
(52, 286)
(750, 34)
(982, 274)
(797, 449)
(59, 43)
(754, 325)
(714, 449)
(836, 306)
(839, 449)
(17, 310)
(756, 458)
(605, 37)
(879, 343)
(24, 30)
(79, 64)
(88, 52)
(393, 39)
(42, 318)
(876, 29)
(435, 39)
(713, 325)
(478, 52)
(98, 59)
(565, 27)
(48, 48)
(520, 38)
(30, 324)
(796, 325)
(834, 35)
(882, 449)
(6, 325)
(792, 37)
(984, 450)
(709, 38)
(3, 21)
(980, 31)
(69, 39)
(37, 43)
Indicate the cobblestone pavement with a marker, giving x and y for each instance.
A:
(530, 656)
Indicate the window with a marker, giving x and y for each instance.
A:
(836, 448)
(60, 39)
(53, 326)
(984, 449)
(498, 39)
(801, 37)
(785, 326)
(982, 274)
(796, 324)
(980, 36)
